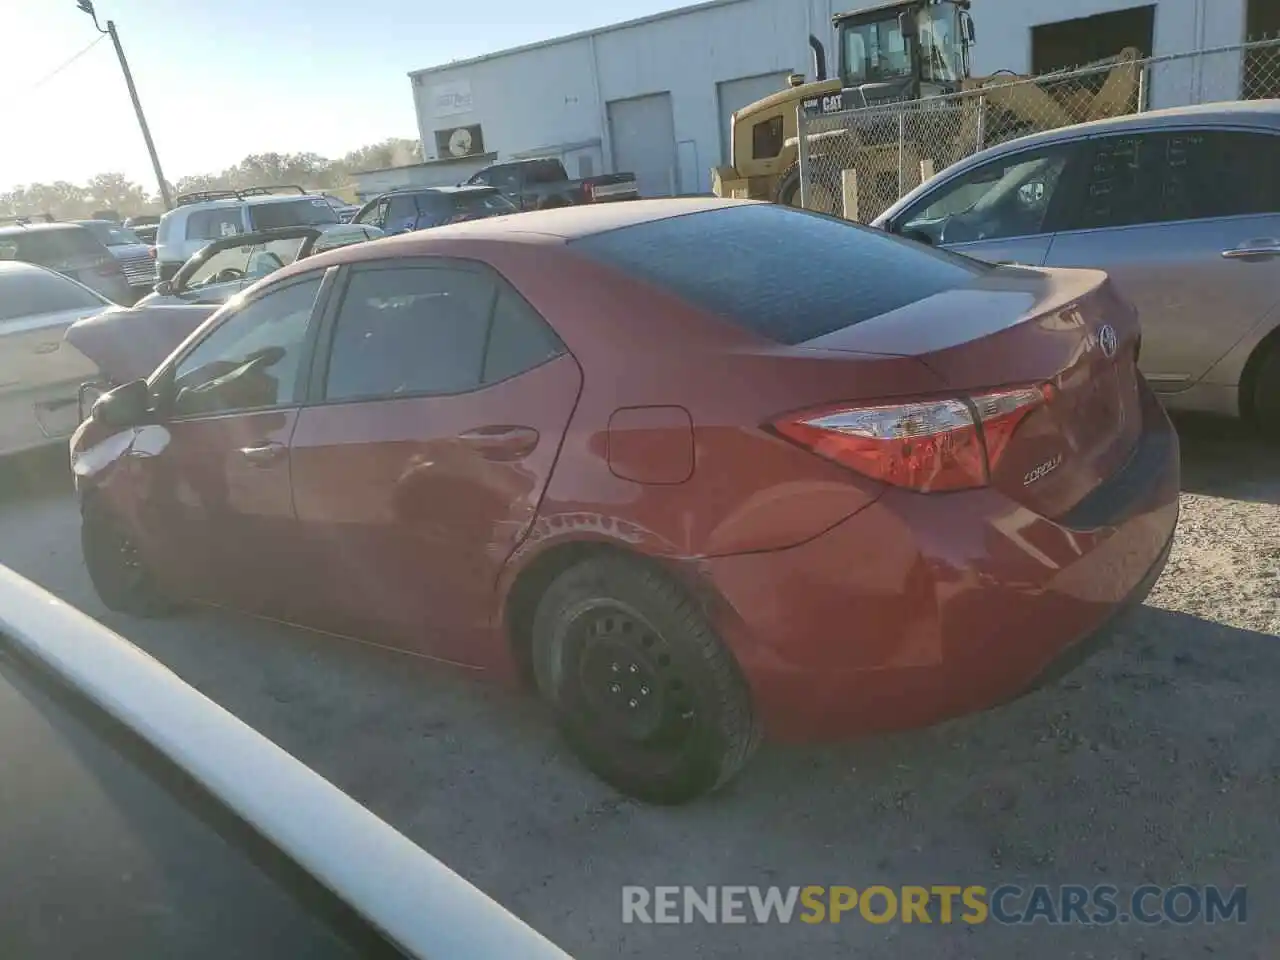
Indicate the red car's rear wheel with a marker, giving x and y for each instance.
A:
(643, 689)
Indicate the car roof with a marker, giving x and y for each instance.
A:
(243, 201)
(574, 222)
(24, 228)
(13, 268)
(462, 188)
(551, 227)
(1262, 113)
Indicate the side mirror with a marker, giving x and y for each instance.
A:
(907, 26)
(125, 406)
(164, 288)
(970, 32)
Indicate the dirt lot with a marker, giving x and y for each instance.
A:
(1155, 762)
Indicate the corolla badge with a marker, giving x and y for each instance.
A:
(1042, 471)
(1108, 340)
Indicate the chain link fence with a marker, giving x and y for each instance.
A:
(856, 162)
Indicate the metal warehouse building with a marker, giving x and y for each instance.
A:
(654, 95)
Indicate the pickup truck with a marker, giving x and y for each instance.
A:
(543, 183)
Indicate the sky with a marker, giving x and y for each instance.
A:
(220, 79)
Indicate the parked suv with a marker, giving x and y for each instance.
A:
(67, 248)
(136, 258)
(209, 215)
(418, 208)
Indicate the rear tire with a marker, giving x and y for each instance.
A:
(1266, 394)
(119, 575)
(642, 689)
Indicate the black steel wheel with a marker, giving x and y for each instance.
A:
(116, 567)
(643, 690)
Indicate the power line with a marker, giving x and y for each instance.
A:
(57, 70)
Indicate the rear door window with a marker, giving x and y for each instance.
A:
(781, 273)
(214, 224)
(410, 330)
(519, 340)
(1185, 175)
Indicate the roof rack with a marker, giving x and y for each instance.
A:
(203, 196)
(24, 218)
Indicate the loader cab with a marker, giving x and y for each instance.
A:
(904, 50)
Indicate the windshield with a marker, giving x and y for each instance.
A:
(251, 262)
(875, 52)
(111, 234)
(292, 213)
(940, 44)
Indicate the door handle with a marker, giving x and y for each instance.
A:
(263, 454)
(1260, 249)
(501, 442)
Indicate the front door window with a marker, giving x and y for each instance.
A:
(252, 360)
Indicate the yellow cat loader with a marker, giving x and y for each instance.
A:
(897, 58)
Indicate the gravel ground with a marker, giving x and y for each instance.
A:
(1154, 762)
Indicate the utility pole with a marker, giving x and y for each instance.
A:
(87, 7)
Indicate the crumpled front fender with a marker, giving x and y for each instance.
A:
(97, 449)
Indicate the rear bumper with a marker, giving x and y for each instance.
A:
(921, 608)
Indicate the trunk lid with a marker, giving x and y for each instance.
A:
(1019, 327)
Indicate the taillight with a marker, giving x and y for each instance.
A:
(152, 251)
(927, 445)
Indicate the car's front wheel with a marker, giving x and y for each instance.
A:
(643, 690)
(116, 568)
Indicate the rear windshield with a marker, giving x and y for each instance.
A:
(485, 204)
(50, 247)
(33, 292)
(113, 235)
(785, 274)
(292, 213)
(544, 171)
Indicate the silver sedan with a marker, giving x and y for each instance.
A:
(40, 373)
(1181, 207)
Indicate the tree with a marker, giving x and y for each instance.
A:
(114, 191)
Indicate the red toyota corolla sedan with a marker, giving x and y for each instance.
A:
(699, 469)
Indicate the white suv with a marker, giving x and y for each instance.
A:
(199, 218)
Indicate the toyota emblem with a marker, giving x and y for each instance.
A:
(1108, 340)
